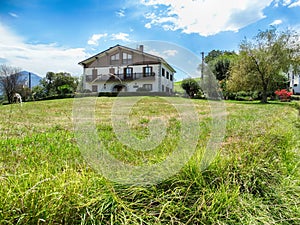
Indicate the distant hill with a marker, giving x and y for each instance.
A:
(35, 79)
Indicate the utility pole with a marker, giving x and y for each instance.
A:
(202, 65)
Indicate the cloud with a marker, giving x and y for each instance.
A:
(286, 2)
(204, 17)
(276, 22)
(120, 13)
(13, 15)
(38, 58)
(121, 36)
(170, 52)
(295, 4)
(94, 40)
(165, 54)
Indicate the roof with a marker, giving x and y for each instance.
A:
(94, 57)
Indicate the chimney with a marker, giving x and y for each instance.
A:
(141, 48)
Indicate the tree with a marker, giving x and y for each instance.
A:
(191, 87)
(219, 63)
(10, 81)
(263, 62)
(58, 84)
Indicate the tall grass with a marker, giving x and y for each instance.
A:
(45, 180)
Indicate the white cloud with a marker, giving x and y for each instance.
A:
(276, 22)
(286, 2)
(94, 40)
(205, 17)
(170, 52)
(166, 54)
(38, 58)
(13, 15)
(120, 36)
(120, 13)
(295, 4)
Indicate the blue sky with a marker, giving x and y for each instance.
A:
(54, 35)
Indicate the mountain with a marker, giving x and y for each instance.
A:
(35, 79)
(24, 78)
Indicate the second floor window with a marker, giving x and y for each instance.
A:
(114, 59)
(147, 71)
(127, 58)
(128, 71)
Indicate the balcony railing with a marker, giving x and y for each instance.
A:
(122, 77)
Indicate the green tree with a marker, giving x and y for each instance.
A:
(191, 87)
(263, 62)
(59, 83)
(219, 63)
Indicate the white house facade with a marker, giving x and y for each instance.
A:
(120, 68)
(294, 78)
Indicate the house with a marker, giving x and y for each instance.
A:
(121, 68)
(294, 82)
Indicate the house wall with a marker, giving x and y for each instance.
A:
(295, 83)
(159, 82)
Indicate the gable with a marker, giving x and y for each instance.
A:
(120, 56)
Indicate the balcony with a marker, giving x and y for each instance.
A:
(120, 77)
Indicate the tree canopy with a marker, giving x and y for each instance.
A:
(191, 87)
(219, 62)
(263, 62)
(56, 84)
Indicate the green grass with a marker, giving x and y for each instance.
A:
(255, 178)
(178, 88)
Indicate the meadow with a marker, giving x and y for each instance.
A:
(254, 178)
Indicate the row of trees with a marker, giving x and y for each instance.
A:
(54, 84)
(260, 66)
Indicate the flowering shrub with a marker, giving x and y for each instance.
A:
(283, 94)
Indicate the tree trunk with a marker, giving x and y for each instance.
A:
(264, 97)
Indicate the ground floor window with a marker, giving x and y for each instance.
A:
(94, 88)
(148, 87)
(163, 88)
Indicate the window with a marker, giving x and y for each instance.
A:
(128, 71)
(94, 88)
(167, 75)
(163, 72)
(114, 59)
(167, 89)
(148, 87)
(147, 71)
(162, 88)
(127, 58)
(171, 77)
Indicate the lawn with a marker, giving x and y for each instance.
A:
(46, 178)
